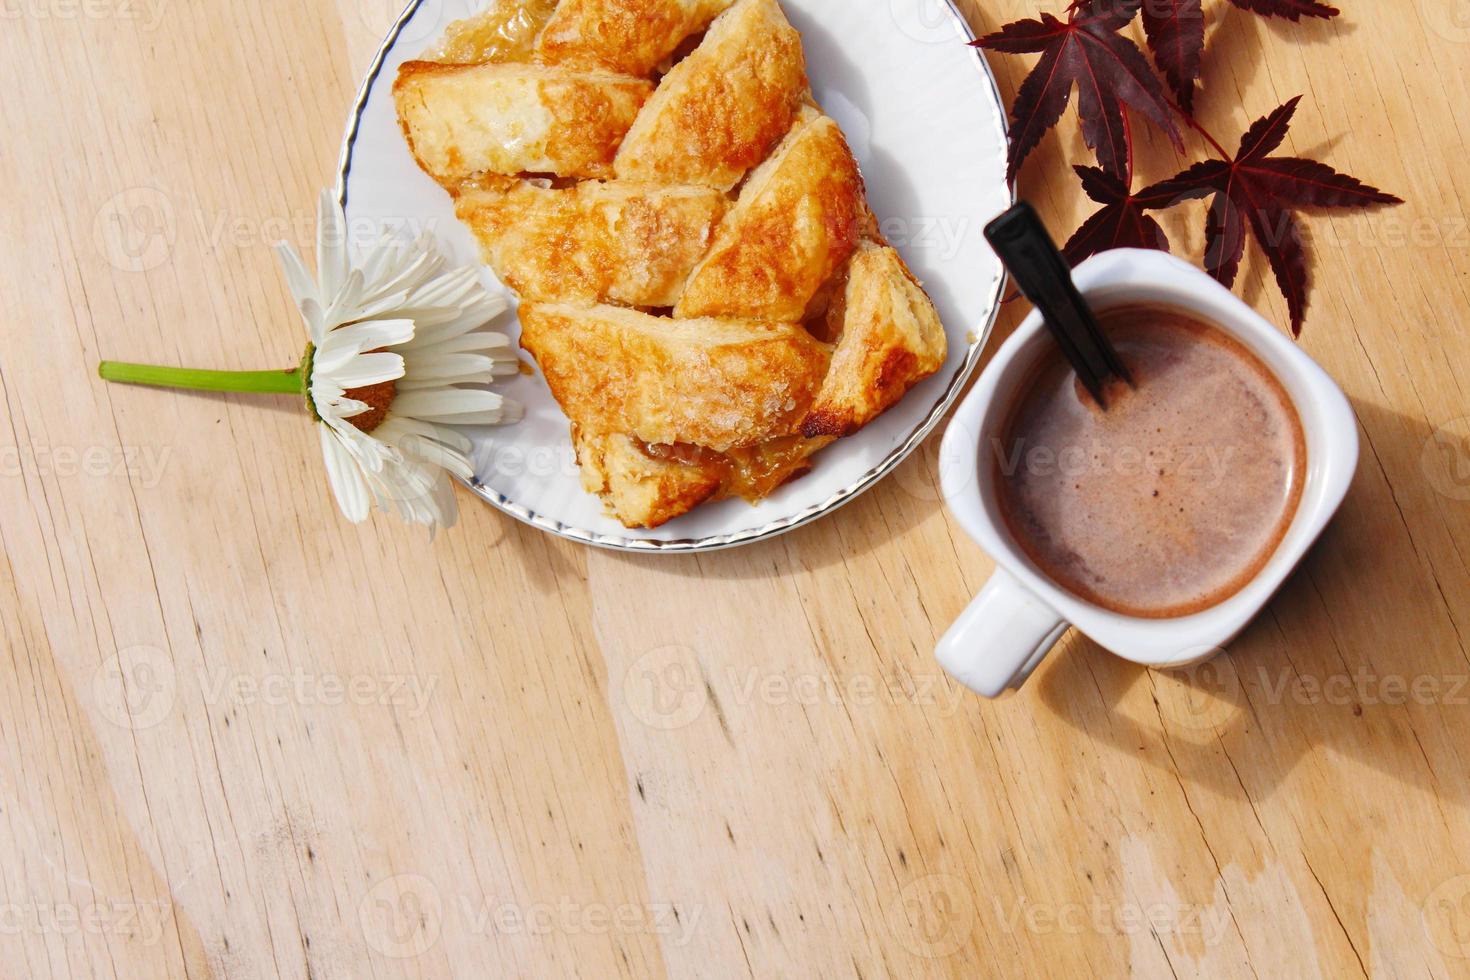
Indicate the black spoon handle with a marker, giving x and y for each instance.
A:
(1043, 276)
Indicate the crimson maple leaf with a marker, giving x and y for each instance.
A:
(1176, 35)
(1292, 10)
(1108, 70)
(1122, 221)
(1259, 191)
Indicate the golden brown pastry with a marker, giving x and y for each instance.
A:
(720, 384)
(888, 339)
(628, 36)
(719, 112)
(796, 223)
(640, 489)
(605, 203)
(626, 243)
(461, 120)
(648, 486)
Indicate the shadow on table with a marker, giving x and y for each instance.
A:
(1358, 653)
(888, 511)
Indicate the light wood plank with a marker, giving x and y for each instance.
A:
(243, 739)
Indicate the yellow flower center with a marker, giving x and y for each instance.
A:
(378, 397)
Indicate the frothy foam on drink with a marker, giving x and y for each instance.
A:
(1174, 498)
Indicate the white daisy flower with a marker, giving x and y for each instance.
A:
(393, 343)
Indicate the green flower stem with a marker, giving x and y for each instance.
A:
(288, 382)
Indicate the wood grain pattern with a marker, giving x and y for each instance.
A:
(240, 738)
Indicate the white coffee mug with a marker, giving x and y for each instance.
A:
(1021, 614)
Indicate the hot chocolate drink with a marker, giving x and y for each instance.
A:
(1173, 498)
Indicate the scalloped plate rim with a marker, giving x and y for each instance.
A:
(772, 529)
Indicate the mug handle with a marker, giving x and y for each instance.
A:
(1001, 638)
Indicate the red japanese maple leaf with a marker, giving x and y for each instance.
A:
(1109, 71)
(1257, 191)
(1292, 10)
(1176, 35)
(1122, 222)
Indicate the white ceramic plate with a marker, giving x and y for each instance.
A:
(926, 123)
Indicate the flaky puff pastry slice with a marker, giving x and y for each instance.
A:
(629, 36)
(462, 120)
(889, 338)
(719, 112)
(618, 242)
(721, 384)
(648, 486)
(642, 490)
(797, 221)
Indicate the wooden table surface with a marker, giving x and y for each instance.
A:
(241, 738)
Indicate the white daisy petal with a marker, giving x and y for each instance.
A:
(331, 246)
(449, 368)
(311, 312)
(324, 391)
(371, 451)
(344, 343)
(369, 369)
(440, 290)
(499, 368)
(347, 299)
(298, 280)
(511, 412)
(481, 341)
(447, 405)
(446, 505)
(346, 476)
(401, 314)
(444, 458)
(423, 448)
(398, 427)
(387, 306)
(429, 334)
(346, 408)
(409, 489)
